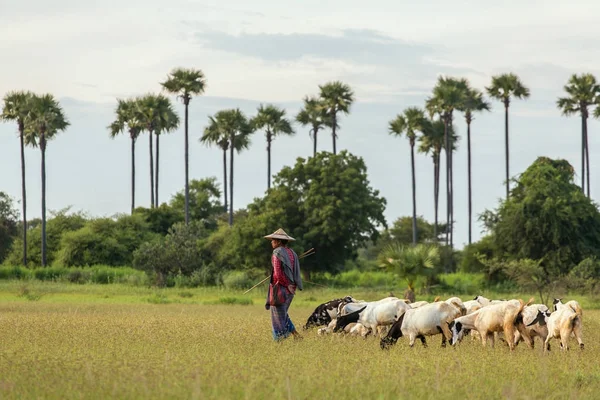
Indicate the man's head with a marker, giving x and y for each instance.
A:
(275, 243)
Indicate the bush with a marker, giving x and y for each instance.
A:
(242, 279)
(462, 283)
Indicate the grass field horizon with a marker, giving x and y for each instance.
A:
(72, 341)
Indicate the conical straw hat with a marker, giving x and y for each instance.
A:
(280, 234)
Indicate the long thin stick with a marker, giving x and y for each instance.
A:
(257, 284)
(318, 284)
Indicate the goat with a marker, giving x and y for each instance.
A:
(489, 319)
(529, 325)
(374, 314)
(563, 323)
(427, 320)
(324, 313)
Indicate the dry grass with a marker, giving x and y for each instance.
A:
(76, 349)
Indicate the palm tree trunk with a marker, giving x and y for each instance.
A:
(469, 179)
(436, 192)
(451, 195)
(315, 130)
(447, 144)
(132, 174)
(187, 164)
(333, 133)
(156, 180)
(583, 152)
(225, 177)
(414, 196)
(23, 191)
(232, 141)
(43, 149)
(268, 160)
(587, 158)
(151, 172)
(507, 155)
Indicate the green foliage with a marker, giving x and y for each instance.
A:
(358, 279)
(8, 224)
(204, 201)
(471, 254)
(410, 262)
(462, 283)
(177, 253)
(102, 274)
(242, 279)
(548, 218)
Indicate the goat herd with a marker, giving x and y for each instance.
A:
(391, 318)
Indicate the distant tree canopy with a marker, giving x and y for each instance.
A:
(547, 218)
(8, 224)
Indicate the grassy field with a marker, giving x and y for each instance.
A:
(63, 341)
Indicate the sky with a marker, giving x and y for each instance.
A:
(391, 53)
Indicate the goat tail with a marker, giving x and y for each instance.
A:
(573, 319)
(577, 309)
(437, 298)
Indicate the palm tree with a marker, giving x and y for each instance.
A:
(409, 123)
(410, 263)
(186, 83)
(216, 134)
(16, 109)
(46, 118)
(583, 92)
(474, 102)
(336, 97)
(272, 120)
(433, 141)
(504, 87)
(167, 120)
(313, 114)
(448, 95)
(126, 120)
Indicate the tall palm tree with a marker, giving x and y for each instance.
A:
(167, 120)
(126, 121)
(583, 92)
(216, 134)
(46, 118)
(433, 141)
(503, 88)
(336, 97)
(474, 102)
(272, 119)
(409, 123)
(16, 109)
(448, 95)
(186, 83)
(313, 114)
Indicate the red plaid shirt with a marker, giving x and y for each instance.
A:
(278, 273)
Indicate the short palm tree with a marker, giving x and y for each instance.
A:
(583, 92)
(474, 102)
(409, 123)
(313, 114)
(272, 119)
(216, 134)
(126, 121)
(45, 119)
(503, 88)
(410, 263)
(186, 83)
(336, 97)
(16, 109)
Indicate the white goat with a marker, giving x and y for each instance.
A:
(427, 320)
(530, 325)
(563, 323)
(374, 314)
(487, 320)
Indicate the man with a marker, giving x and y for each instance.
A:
(286, 272)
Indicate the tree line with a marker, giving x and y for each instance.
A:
(40, 118)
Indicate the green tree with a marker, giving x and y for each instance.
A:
(44, 121)
(313, 114)
(503, 88)
(324, 202)
(216, 133)
(204, 201)
(336, 97)
(8, 224)
(161, 218)
(410, 263)
(15, 109)
(186, 83)
(272, 119)
(583, 92)
(126, 121)
(548, 219)
(432, 141)
(409, 123)
(448, 95)
(473, 102)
